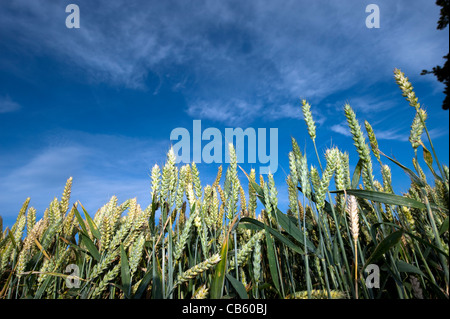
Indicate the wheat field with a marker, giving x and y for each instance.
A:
(197, 242)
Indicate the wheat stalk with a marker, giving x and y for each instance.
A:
(352, 211)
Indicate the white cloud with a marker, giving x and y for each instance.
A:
(101, 166)
(341, 128)
(7, 105)
(391, 134)
(259, 53)
(436, 133)
(284, 111)
(381, 134)
(235, 111)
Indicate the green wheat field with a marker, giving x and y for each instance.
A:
(199, 242)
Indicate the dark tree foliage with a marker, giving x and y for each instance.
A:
(442, 73)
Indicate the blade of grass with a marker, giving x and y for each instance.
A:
(385, 198)
(384, 246)
(38, 244)
(403, 266)
(275, 233)
(238, 286)
(13, 241)
(143, 285)
(219, 273)
(285, 222)
(125, 272)
(420, 240)
(357, 174)
(90, 246)
(92, 226)
(42, 288)
(414, 178)
(272, 260)
(157, 292)
(444, 227)
(80, 219)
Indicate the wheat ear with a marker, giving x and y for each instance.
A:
(352, 211)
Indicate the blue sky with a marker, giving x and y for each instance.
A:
(98, 103)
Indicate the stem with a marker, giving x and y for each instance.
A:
(317, 154)
(308, 277)
(432, 147)
(355, 242)
(235, 255)
(437, 239)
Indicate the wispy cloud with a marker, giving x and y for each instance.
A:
(7, 105)
(391, 134)
(253, 55)
(381, 134)
(438, 132)
(284, 111)
(101, 165)
(341, 128)
(235, 111)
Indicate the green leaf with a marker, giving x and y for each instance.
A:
(125, 272)
(385, 198)
(151, 219)
(43, 287)
(13, 241)
(444, 227)
(143, 284)
(157, 292)
(357, 174)
(420, 240)
(238, 286)
(429, 161)
(272, 260)
(327, 206)
(386, 244)
(80, 219)
(427, 243)
(219, 273)
(4, 240)
(274, 232)
(92, 226)
(90, 246)
(291, 228)
(427, 155)
(405, 267)
(414, 178)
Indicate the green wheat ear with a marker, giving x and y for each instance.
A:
(198, 269)
(310, 124)
(417, 128)
(358, 137)
(406, 87)
(201, 293)
(318, 294)
(156, 180)
(361, 147)
(293, 195)
(252, 200)
(373, 140)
